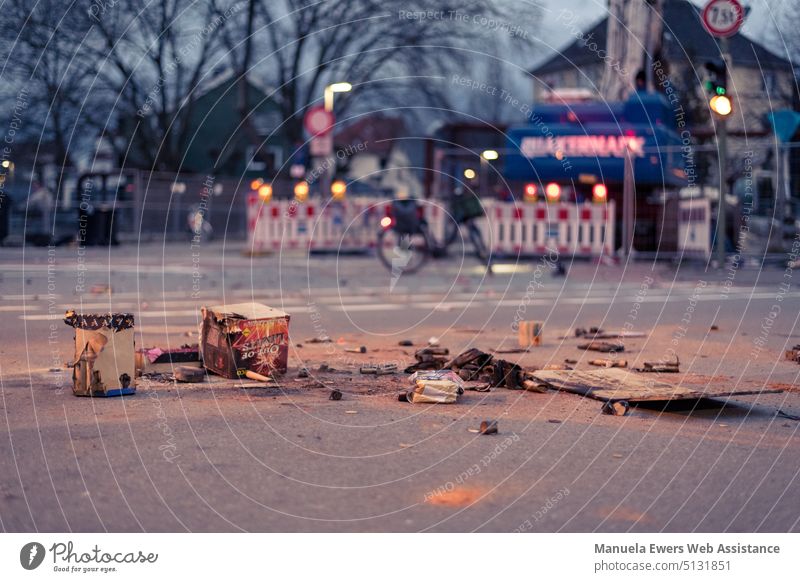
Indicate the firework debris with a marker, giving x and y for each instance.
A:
(616, 408)
(104, 363)
(598, 346)
(488, 427)
(661, 367)
(244, 337)
(607, 363)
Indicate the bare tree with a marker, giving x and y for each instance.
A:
(396, 53)
(45, 61)
(153, 57)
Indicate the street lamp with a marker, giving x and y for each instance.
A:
(490, 155)
(334, 88)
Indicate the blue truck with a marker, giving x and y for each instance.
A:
(575, 152)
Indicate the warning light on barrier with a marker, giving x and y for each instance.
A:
(265, 192)
(600, 193)
(256, 184)
(386, 221)
(338, 190)
(553, 192)
(530, 192)
(301, 191)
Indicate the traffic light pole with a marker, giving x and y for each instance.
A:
(722, 147)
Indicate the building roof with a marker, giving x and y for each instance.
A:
(684, 38)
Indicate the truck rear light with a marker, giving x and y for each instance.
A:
(600, 193)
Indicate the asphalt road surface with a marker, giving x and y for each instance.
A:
(227, 456)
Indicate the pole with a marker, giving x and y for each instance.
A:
(327, 174)
(722, 147)
(628, 204)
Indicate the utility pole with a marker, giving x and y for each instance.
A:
(628, 204)
(722, 146)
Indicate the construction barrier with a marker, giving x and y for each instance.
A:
(694, 228)
(533, 229)
(508, 228)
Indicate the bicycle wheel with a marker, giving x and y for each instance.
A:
(402, 253)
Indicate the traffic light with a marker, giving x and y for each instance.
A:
(716, 85)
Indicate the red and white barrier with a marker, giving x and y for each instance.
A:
(533, 229)
(352, 225)
(694, 227)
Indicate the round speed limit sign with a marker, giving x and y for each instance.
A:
(723, 18)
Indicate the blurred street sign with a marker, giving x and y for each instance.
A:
(723, 18)
(318, 121)
(322, 145)
(784, 123)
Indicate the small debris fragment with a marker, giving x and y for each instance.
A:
(606, 347)
(368, 369)
(335, 395)
(489, 427)
(714, 327)
(783, 414)
(433, 341)
(554, 421)
(386, 369)
(189, 374)
(570, 361)
(616, 408)
(618, 456)
(793, 355)
(405, 343)
(511, 351)
(557, 367)
(360, 350)
(430, 358)
(473, 430)
(604, 363)
(257, 377)
(323, 339)
(660, 367)
(302, 373)
(534, 386)
(100, 289)
(351, 411)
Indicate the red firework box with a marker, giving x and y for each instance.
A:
(244, 336)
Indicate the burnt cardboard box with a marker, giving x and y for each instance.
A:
(104, 363)
(244, 336)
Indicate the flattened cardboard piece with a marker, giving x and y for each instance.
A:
(620, 384)
(242, 337)
(104, 363)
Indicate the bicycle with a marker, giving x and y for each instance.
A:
(405, 241)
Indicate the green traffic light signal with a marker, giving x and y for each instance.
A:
(721, 90)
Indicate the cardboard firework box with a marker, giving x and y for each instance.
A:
(242, 337)
(104, 363)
